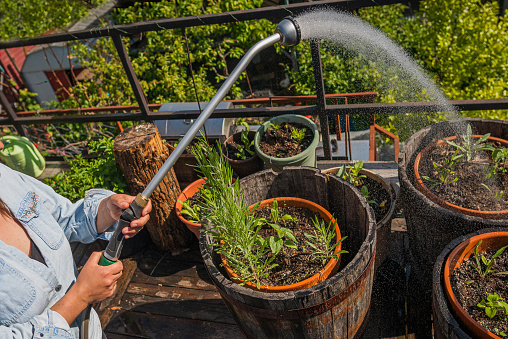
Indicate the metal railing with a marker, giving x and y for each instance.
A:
(146, 111)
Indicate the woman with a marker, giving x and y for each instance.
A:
(41, 293)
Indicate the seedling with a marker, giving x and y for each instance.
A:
(446, 171)
(493, 305)
(479, 259)
(276, 217)
(469, 146)
(194, 211)
(276, 243)
(298, 134)
(500, 157)
(276, 126)
(321, 241)
(352, 174)
(366, 194)
(497, 194)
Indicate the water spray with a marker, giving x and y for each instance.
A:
(287, 33)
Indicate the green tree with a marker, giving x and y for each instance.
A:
(22, 18)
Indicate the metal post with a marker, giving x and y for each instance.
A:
(321, 101)
(133, 79)
(11, 114)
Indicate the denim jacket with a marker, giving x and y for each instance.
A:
(28, 288)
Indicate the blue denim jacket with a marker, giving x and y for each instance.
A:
(29, 288)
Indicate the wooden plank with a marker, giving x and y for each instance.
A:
(132, 324)
(188, 306)
(105, 308)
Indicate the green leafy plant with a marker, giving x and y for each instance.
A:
(247, 145)
(493, 305)
(481, 259)
(276, 127)
(445, 171)
(321, 241)
(500, 157)
(298, 134)
(471, 146)
(96, 172)
(352, 174)
(366, 194)
(193, 211)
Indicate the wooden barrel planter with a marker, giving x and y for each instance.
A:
(335, 308)
(430, 226)
(383, 228)
(446, 324)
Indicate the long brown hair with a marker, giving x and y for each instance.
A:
(4, 209)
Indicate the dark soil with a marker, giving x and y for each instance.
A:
(381, 197)
(294, 265)
(279, 143)
(468, 191)
(471, 293)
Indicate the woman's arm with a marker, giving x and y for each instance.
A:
(94, 284)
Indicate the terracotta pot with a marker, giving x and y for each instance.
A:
(420, 185)
(187, 193)
(330, 268)
(383, 227)
(245, 167)
(490, 241)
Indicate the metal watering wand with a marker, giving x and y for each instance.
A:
(287, 33)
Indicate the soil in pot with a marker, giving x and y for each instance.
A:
(285, 140)
(470, 289)
(468, 191)
(294, 264)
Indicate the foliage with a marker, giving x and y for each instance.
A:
(85, 174)
(352, 174)
(247, 145)
(479, 259)
(321, 240)
(193, 211)
(493, 305)
(298, 134)
(500, 157)
(160, 59)
(469, 147)
(22, 18)
(446, 171)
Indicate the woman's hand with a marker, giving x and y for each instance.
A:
(110, 210)
(95, 283)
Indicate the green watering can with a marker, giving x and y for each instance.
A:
(21, 155)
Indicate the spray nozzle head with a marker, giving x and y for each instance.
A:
(289, 32)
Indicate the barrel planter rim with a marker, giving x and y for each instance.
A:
(331, 266)
(268, 160)
(420, 185)
(490, 240)
(388, 187)
(186, 194)
(253, 164)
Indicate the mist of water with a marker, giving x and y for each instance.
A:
(400, 77)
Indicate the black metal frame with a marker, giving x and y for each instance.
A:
(273, 13)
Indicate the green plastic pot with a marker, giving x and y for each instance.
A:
(21, 155)
(306, 158)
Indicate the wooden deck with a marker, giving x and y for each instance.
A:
(165, 296)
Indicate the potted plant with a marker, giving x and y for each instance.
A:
(431, 226)
(292, 249)
(241, 156)
(187, 206)
(472, 277)
(380, 195)
(338, 305)
(287, 140)
(475, 165)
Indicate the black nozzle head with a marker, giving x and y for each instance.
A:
(290, 34)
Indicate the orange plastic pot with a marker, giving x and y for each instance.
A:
(330, 268)
(187, 193)
(490, 242)
(420, 185)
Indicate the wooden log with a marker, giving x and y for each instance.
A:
(140, 153)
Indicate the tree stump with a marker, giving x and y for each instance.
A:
(140, 153)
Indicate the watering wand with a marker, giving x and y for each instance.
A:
(287, 33)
